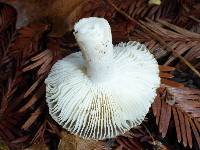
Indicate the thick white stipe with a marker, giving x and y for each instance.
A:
(95, 40)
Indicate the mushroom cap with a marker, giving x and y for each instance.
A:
(104, 109)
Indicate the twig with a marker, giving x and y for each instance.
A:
(153, 140)
(195, 19)
(156, 37)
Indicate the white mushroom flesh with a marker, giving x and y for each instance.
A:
(102, 91)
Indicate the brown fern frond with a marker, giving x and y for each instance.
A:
(34, 96)
(178, 40)
(33, 117)
(27, 42)
(18, 50)
(186, 43)
(166, 75)
(183, 104)
(43, 63)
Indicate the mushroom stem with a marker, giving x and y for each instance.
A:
(99, 60)
(95, 40)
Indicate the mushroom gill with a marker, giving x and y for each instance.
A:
(104, 90)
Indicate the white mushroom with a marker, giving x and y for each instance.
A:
(102, 91)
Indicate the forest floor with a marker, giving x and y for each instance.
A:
(35, 34)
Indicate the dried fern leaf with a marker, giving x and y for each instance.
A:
(185, 112)
(36, 97)
(32, 118)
